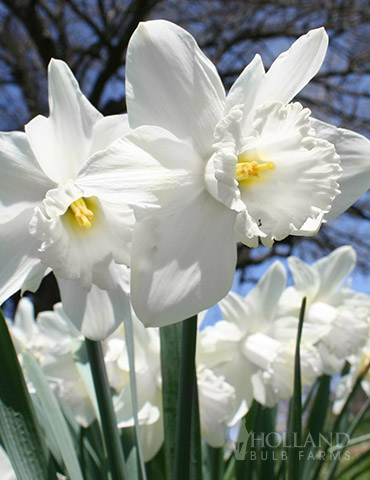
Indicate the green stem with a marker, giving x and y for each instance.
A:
(216, 462)
(295, 412)
(187, 383)
(108, 418)
(170, 364)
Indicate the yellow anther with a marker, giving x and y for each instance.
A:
(248, 169)
(82, 213)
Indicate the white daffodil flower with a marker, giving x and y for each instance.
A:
(358, 362)
(336, 317)
(242, 167)
(244, 348)
(48, 221)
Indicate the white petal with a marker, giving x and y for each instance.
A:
(262, 301)
(235, 309)
(172, 84)
(260, 349)
(18, 254)
(293, 69)
(334, 269)
(216, 405)
(219, 343)
(96, 313)
(145, 164)
(107, 130)
(348, 333)
(238, 373)
(6, 469)
(354, 152)
(62, 141)
(22, 182)
(306, 278)
(183, 261)
(246, 86)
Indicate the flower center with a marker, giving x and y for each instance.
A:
(82, 214)
(249, 167)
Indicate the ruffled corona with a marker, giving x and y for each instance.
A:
(80, 235)
(278, 177)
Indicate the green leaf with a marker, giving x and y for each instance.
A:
(316, 422)
(136, 454)
(245, 466)
(216, 462)
(170, 365)
(19, 429)
(294, 433)
(107, 415)
(54, 415)
(187, 425)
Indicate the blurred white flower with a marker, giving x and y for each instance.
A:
(206, 170)
(336, 318)
(216, 406)
(48, 220)
(244, 348)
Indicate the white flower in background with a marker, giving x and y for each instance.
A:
(48, 221)
(220, 169)
(6, 469)
(358, 363)
(216, 397)
(216, 406)
(53, 340)
(336, 317)
(243, 347)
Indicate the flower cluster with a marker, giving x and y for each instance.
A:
(171, 187)
(138, 216)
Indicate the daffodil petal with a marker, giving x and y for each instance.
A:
(96, 313)
(183, 260)
(18, 254)
(107, 130)
(294, 68)
(354, 152)
(22, 182)
(306, 278)
(147, 165)
(245, 89)
(334, 269)
(63, 141)
(172, 84)
(265, 295)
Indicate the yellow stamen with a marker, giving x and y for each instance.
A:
(247, 168)
(82, 213)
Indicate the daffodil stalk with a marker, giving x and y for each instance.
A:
(107, 416)
(187, 399)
